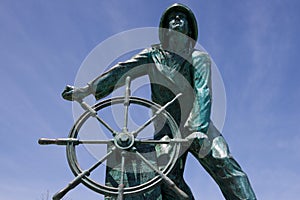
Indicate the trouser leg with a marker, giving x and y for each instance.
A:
(177, 177)
(227, 173)
(136, 173)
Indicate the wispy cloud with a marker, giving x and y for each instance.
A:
(43, 44)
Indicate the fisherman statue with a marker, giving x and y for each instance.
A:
(174, 66)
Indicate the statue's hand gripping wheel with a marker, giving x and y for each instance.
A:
(123, 143)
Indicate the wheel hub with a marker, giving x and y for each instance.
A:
(124, 140)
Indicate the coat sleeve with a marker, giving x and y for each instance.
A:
(199, 118)
(114, 78)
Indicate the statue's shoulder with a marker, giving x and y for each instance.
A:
(201, 60)
(155, 47)
(145, 52)
(197, 54)
(157, 50)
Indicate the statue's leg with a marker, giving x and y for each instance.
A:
(136, 173)
(177, 177)
(227, 173)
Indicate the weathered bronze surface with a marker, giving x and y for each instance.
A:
(173, 67)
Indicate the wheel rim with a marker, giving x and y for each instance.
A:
(113, 191)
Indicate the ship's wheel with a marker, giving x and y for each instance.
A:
(126, 145)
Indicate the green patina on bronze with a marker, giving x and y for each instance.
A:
(173, 69)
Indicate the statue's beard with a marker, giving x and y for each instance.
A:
(178, 42)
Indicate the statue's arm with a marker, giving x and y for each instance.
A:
(199, 117)
(114, 78)
(104, 84)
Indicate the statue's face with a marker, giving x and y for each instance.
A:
(178, 21)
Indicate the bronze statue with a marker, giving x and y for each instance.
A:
(174, 67)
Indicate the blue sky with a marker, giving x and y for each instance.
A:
(254, 43)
